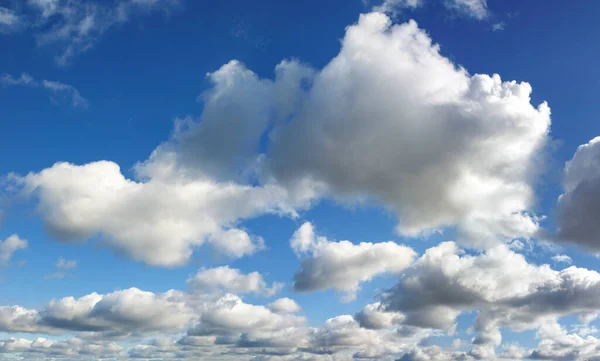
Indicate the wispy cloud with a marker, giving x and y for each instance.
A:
(74, 26)
(64, 265)
(9, 20)
(55, 88)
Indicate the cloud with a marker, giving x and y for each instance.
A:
(75, 26)
(9, 21)
(476, 9)
(66, 264)
(504, 289)
(73, 347)
(157, 221)
(302, 137)
(284, 305)
(562, 258)
(483, 137)
(342, 265)
(9, 246)
(375, 317)
(56, 89)
(579, 205)
(116, 314)
(232, 280)
(395, 6)
(230, 316)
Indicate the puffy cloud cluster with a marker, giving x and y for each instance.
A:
(352, 131)
(118, 314)
(504, 289)
(73, 348)
(343, 265)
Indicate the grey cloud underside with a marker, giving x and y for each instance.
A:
(578, 208)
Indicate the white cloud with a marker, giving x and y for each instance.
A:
(441, 147)
(375, 317)
(115, 314)
(474, 171)
(68, 348)
(562, 258)
(579, 206)
(284, 305)
(504, 289)
(477, 9)
(65, 263)
(158, 221)
(56, 89)
(232, 280)
(75, 26)
(395, 6)
(342, 265)
(9, 246)
(9, 20)
(231, 316)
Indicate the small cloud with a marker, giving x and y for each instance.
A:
(498, 26)
(55, 276)
(9, 21)
(9, 246)
(66, 264)
(562, 258)
(55, 88)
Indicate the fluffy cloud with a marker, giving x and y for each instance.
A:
(482, 135)
(474, 171)
(499, 284)
(117, 314)
(343, 265)
(157, 221)
(284, 305)
(56, 89)
(375, 317)
(578, 207)
(72, 348)
(230, 316)
(232, 280)
(9, 246)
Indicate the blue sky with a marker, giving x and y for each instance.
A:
(180, 178)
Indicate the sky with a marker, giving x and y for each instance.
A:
(402, 180)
